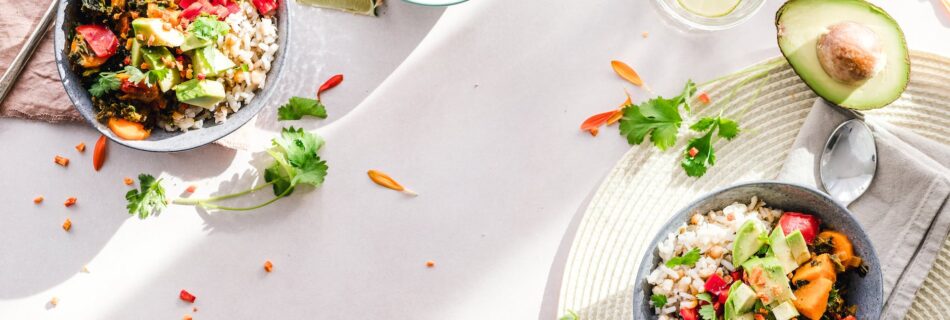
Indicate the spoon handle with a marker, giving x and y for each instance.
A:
(13, 72)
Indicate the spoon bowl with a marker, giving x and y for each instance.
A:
(848, 161)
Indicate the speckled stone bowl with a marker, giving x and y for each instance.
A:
(161, 140)
(867, 292)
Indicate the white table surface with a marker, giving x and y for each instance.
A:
(481, 119)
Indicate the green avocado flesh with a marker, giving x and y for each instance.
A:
(202, 93)
(800, 25)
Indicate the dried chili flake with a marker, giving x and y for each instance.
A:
(693, 152)
(128, 181)
(430, 264)
(67, 225)
(61, 161)
(70, 201)
(191, 189)
(186, 317)
(268, 266)
(81, 147)
(385, 180)
(329, 84)
(185, 296)
(704, 98)
(38, 200)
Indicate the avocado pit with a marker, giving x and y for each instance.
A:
(850, 52)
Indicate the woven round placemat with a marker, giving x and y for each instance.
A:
(647, 186)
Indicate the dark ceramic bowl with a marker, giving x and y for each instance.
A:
(866, 292)
(161, 140)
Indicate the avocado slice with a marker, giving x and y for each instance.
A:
(778, 246)
(849, 52)
(210, 61)
(192, 42)
(746, 316)
(785, 311)
(135, 53)
(155, 34)
(767, 277)
(747, 243)
(154, 57)
(798, 247)
(741, 299)
(203, 93)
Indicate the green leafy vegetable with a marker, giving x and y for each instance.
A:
(208, 28)
(658, 117)
(106, 82)
(707, 312)
(244, 67)
(135, 75)
(688, 259)
(659, 300)
(699, 153)
(298, 107)
(156, 75)
(571, 315)
(149, 199)
(705, 296)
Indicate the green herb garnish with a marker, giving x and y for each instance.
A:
(571, 315)
(298, 107)
(105, 83)
(687, 259)
(658, 117)
(244, 67)
(208, 28)
(699, 154)
(705, 296)
(149, 200)
(707, 312)
(659, 300)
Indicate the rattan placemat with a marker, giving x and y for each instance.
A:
(646, 186)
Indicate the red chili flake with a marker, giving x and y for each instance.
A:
(38, 200)
(191, 189)
(332, 82)
(81, 147)
(201, 76)
(184, 295)
(128, 181)
(430, 264)
(187, 317)
(70, 202)
(693, 151)
(126, 61)
(704, 98)
(268, 266)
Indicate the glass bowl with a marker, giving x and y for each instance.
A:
(743, 11)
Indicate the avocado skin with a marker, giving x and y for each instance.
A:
(871, 7)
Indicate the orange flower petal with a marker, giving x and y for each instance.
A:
(626, 72)
(597, 120)
(616, 117)
(386, 181)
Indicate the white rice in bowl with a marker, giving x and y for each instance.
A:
(712, 233)
(251, 44)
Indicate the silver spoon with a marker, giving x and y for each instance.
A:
(13, 72)
(848, 161)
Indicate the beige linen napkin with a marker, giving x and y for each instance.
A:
(905, 211)
(38, 94)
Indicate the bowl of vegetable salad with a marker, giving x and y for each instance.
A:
(761, 250)
(170, 75)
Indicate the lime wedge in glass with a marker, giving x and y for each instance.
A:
(710, 8)
(365, 7)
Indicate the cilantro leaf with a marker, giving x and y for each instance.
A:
(571, 315)
(707, 312)
(687, 259)
(298, 107)
(699, 153)
(149, 200)
(156, 75)
(295, 161)
(106, 82)
(135, 75)
(208, 28)
(705, 296)
(659, 300)
(657, 117)
(684, 96)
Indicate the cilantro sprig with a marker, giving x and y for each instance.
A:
(106, 83)
(109, 81)
(296, 163)
(699, 153)
(298, 107)
(707, 312)
(687, 259)
(208, 28)
(659, 301)
(658, 117)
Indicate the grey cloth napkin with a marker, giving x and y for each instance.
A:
(905, 211)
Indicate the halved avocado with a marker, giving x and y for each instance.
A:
(849, 52)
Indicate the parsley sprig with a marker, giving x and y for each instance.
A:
(298, 107)
(296, 163)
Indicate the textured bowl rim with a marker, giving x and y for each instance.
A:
(646, 261)
(82, 102)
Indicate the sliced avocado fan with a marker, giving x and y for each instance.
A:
(849, 52)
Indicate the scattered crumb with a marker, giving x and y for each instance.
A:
(645, 34)
(128, 181)
(53, 302)
(268, 266)
(186, 317)
(70, 201)
(61, 161)
(67, 225)
(81, 147)
(38, 200)
(430, 264)
(84, 269)
(194, 309)
(191, 189)
(476, 85)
